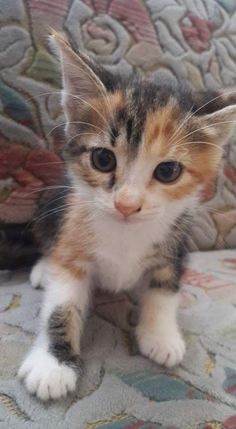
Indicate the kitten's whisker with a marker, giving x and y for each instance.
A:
(43, 94)
(207, 233)
(74, 122)
(82, 134)
(53, 211)
(213, 99)
(54, 128)
(48, 188)
(55, 199)
(203, 128)
(221, 149)
(186, 118)
(216, 211)
(46, 163)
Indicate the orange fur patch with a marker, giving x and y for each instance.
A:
(69, 316)
(73, 323)
(159, 127)
(74, 247)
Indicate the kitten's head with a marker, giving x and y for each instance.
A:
(138, 147)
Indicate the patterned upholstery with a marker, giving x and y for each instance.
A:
(119, 388)
(192, 39)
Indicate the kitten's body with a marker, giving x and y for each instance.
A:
(138, 153)
(124, 252)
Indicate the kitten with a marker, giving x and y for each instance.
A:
(138, 153)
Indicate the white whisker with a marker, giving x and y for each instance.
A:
(203, 128)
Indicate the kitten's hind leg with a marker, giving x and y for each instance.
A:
(53, 366)
(38, 274)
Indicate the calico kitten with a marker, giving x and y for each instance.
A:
(138, 152)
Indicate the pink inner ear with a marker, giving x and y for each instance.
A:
(78, 78)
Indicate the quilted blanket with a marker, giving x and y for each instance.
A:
(120, 389)
(190, 39)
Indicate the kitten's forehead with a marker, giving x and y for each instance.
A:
(149, 109)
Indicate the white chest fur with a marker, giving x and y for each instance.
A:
(121, 252)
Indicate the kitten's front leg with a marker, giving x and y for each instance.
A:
(158, 334)
(53, 365)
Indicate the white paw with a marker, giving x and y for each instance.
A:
(38, 273)
(44, 376)
(164, 348)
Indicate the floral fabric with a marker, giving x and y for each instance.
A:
(120, 389)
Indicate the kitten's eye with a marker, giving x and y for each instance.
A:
(103, 160)
(167, 172)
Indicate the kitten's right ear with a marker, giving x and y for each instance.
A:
(215, 114)
(80, 75)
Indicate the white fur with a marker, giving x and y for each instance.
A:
(158, 334)
(62, 288)
(45, 376)
(122, 247)
(38, 273)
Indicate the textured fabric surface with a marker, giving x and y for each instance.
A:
(191, 39)
(120, 389)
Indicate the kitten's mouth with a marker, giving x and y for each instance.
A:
(127, 220)
(135, 219)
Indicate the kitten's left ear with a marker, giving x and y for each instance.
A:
(217, 116)
(82, 78)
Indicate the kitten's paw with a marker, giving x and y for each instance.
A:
(38, 273)
(166, 349)
(44, 376)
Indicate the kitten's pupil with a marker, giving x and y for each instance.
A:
(103, 160)
(167, 172)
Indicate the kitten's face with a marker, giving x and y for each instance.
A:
(139, 148)
(138, 163)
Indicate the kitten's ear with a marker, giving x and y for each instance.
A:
(216, 115)
(82, 78)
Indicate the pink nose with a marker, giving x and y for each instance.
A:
(127, 210)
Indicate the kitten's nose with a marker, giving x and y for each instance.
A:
(127, 209)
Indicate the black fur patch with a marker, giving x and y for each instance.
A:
(112, 181)
(121, 116)
(59, 346)
(73, 150)
(114, 134)
(129, 127)
(173, 254)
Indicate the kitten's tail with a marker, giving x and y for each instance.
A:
(17, 247)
